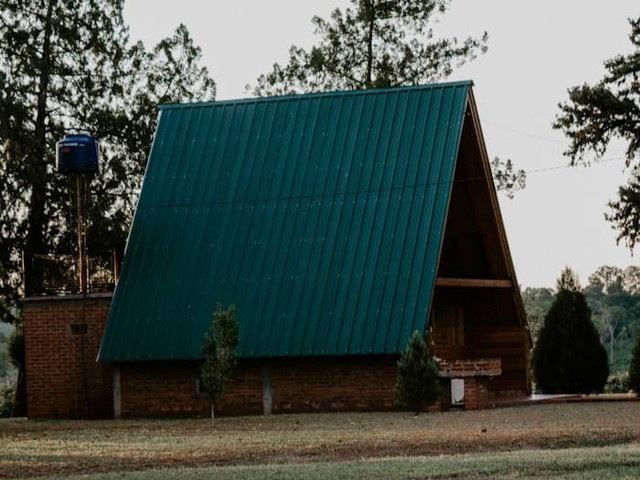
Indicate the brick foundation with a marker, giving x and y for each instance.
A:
(295, 385)
(476, 374)
(63, 378)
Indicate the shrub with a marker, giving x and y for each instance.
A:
(418, 384)
(218, 347)
(634, 368)
(7, 393)
(568, 357)
(618, 382)
(15, 349)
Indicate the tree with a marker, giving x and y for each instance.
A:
(377, 43)
(218, 347)
(595, 115)
(15, 349)
(631, 280)
(568, 357)
(613, 303)
(77, 73)
(607, 280)
(418, 384)
(634, 368)
(537, 302)
(372, 44)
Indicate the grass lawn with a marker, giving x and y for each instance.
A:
(597, 439)
(596, 463)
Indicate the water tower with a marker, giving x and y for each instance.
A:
(78, 155)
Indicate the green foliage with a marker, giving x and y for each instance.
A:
(613, 295)
(5, 363)
(16, 351)
(568, 357)
(218, 347)
(372, 44)
(634, 368)
(537, 302)
(506, 178)
(7, 394)
(81, 73)
(418, 384)
(618, 382)
(596, 114)
(15, 347)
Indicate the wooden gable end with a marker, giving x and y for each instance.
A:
(477, 309)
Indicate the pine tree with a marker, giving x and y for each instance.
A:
(218, 347)
(372, 44)
(568, 357)
(634, 368)
(418, 384)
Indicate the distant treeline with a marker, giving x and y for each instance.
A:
(613, 294)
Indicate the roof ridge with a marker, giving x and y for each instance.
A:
(304, 96)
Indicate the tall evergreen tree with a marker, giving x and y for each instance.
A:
(70, 65)
(568, 357)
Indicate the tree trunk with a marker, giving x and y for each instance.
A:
(37, 168)
(213, 413)
(19, 408)
(371, 18)
(611, 329)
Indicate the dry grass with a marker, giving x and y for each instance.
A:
(593, 463)
(66, 447)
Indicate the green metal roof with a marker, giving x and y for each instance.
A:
(319, 216)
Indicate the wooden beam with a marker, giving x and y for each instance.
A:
(473, 282)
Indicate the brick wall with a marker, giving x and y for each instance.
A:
(296, 385)
(63, 378)
(476, 367)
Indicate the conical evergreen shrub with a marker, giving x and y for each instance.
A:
(634, 368)
(568, 356)
(418, 384)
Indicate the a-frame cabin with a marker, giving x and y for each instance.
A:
(338, 223)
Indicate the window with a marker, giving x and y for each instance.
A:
(449, 326)
(78, 328)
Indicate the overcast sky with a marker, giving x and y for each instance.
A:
(536, 51)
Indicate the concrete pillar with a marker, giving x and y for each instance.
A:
(117, 393)
(267, 391)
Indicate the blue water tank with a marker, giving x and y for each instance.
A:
(77, 153)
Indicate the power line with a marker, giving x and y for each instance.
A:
(334, 195)
(524, 133)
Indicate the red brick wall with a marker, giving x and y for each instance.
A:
(298, 385)
(168, 388)
(56, 382)
(61, 367)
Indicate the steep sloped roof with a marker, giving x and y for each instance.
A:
(320, 216)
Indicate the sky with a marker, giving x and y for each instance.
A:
(537, 50)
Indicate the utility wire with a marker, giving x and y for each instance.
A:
(523, 133)
(333, 195)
